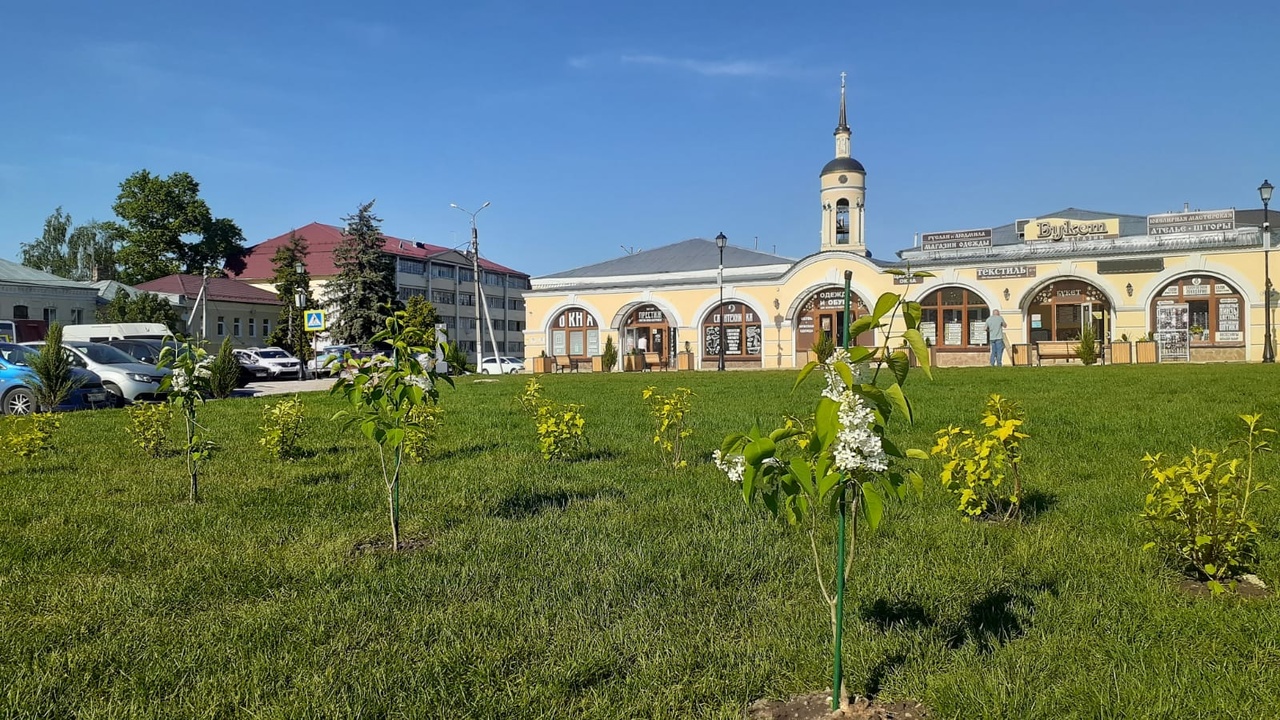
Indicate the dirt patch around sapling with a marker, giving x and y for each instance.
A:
(380, 546)
(1249, 587)
(817, 706)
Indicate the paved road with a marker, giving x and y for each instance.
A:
(284, 387)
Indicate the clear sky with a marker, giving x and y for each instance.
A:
(597, 125)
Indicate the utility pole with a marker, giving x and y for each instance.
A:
(482, 311)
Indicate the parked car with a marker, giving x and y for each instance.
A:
(501, 366)
(277, 361)
(334, 354)
(17, 379)
(147, 350)
(98, 332)
(122, 375)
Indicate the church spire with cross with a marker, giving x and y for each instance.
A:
(843, 190)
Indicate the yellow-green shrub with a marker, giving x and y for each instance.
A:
(28, 436)
(976, 466)
(560, 430)
(282, 428)
(425, 420)
(669, 414)
(531, 399)
(1198, 509)
(149, 426)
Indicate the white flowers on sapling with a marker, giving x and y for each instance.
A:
(735, 466)
(857, 446)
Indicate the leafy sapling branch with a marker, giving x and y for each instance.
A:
(188, 385)
(842, 466)
(382, 393)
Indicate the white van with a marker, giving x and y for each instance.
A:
(115, 331)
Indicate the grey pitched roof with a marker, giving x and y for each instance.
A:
(689, 255)
(1129, 224)
(13, 272)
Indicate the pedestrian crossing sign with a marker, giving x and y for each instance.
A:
(314, 320)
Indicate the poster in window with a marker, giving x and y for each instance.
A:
(754, 344)
(711, 340)
(593, 342)
(952, 334)
(575, 343)
(557, 342)
(1228, 315)
(1172, 322)
(1220, 288)
(1174, 316)
(977, 332)
(929, 330)
(1036, 322)
(733, 340)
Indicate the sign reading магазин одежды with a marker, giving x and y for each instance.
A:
(953, 239)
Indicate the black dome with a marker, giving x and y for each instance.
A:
(844, 165)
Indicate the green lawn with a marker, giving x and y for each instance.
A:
(611, 588)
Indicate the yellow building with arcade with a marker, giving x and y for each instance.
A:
(1173, 287)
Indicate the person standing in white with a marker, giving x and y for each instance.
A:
(995, 336)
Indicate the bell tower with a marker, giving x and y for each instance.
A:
(843, 183)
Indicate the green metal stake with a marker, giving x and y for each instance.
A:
(837, 675)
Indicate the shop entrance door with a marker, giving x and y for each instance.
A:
(832, 324)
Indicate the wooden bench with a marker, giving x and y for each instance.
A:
(563, 362)
(1061, 350)
(653, 361)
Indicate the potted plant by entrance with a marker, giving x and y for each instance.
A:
(542, 363)
(1198, 333)
(609, 358)
(1145, 350)
(1121, 352)
(684, 359)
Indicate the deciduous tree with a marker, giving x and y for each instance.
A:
(168, 228)
(140, 308)
(85, 253)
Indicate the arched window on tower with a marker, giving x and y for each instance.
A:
(842, 222)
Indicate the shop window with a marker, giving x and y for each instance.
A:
(1207, 310)
(20, 312)
(1059, 310)
(954, 318)
(575, 332)
(743, 338)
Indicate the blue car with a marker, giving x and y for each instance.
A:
(16, 380)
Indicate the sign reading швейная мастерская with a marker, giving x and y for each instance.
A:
(1191, 222)
(956, 239)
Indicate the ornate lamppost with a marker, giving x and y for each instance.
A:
(721, 241)
(1264, 190)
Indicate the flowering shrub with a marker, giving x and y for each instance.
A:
(842, 465)
(382, 392)
(560, 430)
(1198, 509)
(188, 386)
(425, 420)
(976, 466)
(149, 426)
(669, 413)
(28, 436)
(282, 428)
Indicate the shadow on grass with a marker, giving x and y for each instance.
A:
(597, 454)
(323, 477)
(992, 620)
(1037, 502)
(882, 670)
(524, 504)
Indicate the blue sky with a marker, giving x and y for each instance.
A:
(591, 126)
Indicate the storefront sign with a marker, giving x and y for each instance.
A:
(956, 239)
(832, 299)
(646, 314)
(1013, 271)
(1124, 267)
(1228, 316)
(1191, 222)
(1055, 229)
(907, 280)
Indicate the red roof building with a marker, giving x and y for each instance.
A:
(442, 275)
(227, 308)
(225, 289)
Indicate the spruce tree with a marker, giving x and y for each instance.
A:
(289, 332)
(363, 293)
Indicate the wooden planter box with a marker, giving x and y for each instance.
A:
(684, 361)
(1020, 354)
(632, 362)
(542, 365)
(1146, 351)
(1120, 353)
(597, 364)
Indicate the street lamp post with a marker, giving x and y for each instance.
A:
(482, 308)
(299, 301)
(1264, 190)
(721, 241)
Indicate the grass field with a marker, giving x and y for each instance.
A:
(612, 588)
